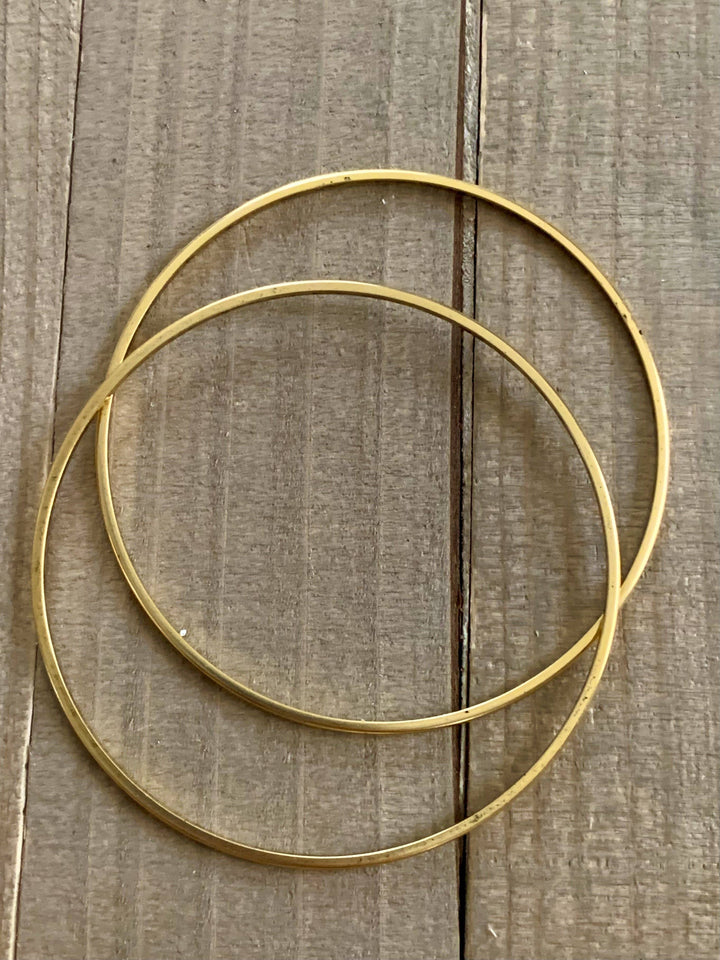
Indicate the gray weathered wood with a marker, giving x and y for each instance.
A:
(282, 479)
(602, 118)
(39, 55)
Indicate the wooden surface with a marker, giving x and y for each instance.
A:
(344, 501)
(40, 51)
(606, 120)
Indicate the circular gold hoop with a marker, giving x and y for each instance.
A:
(182, 643)
(72, 710)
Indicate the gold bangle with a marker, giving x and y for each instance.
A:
(182, 643)
(121, 777)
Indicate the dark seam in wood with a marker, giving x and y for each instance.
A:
(467, 382)
(461, 460)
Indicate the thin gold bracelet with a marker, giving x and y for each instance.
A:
(128, 783)
(181, 641)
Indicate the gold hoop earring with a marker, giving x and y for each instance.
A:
(121, 777)
(182, 642)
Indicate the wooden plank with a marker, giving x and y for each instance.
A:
(282, 479)
(602, 118)
(39, 55)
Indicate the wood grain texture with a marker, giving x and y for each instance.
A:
(39, 49)
(603, 118)
(288, 478)
(282, 478)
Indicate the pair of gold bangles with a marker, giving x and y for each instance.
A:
(123, 363)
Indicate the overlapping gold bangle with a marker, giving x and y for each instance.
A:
(122, 366)
(182, 642)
